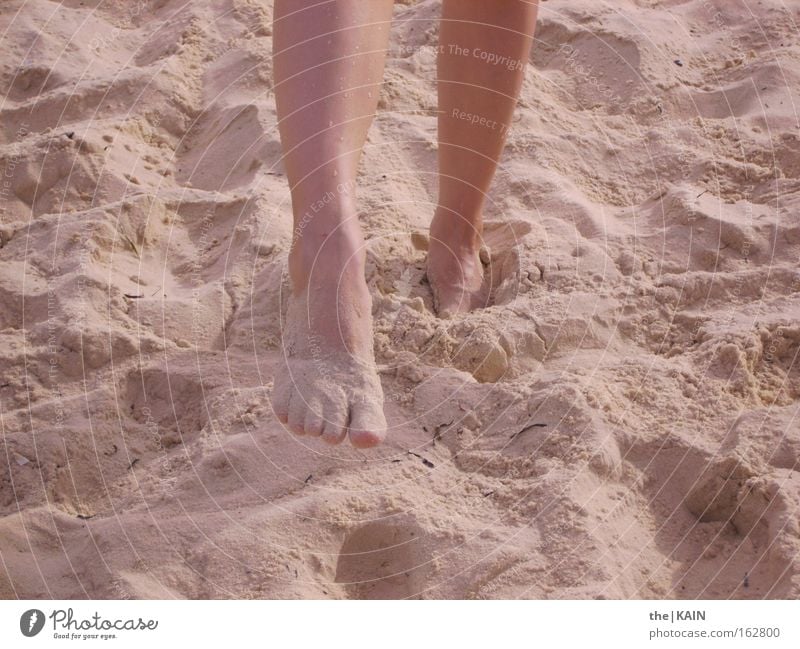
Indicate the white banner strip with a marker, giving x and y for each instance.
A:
(403, 624)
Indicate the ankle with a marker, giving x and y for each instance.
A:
(459, 234)
(326, 254)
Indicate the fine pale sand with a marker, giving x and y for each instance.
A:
(622, 422)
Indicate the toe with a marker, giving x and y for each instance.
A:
(444, 314)
(297, 413)
(334, 432)
(314, 422)
(335, 425)
(334, 415)
(367, 424)
(279, 397)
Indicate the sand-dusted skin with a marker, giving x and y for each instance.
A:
(329, 61)
(619, 422)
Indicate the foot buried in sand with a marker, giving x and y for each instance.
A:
(463, 270)
(454, 267)
(456, 276)
(327, 385)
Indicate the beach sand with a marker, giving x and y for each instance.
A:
(622, 422)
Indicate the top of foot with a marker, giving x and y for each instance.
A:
(327, 383)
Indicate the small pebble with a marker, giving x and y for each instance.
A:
(418, 304)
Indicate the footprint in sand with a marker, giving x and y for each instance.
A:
(383, 560)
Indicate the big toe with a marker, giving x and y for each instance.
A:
(367, 424)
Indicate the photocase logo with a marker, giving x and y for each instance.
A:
(31, 622)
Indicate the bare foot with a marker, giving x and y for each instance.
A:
(327, 385)
(455, 271)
